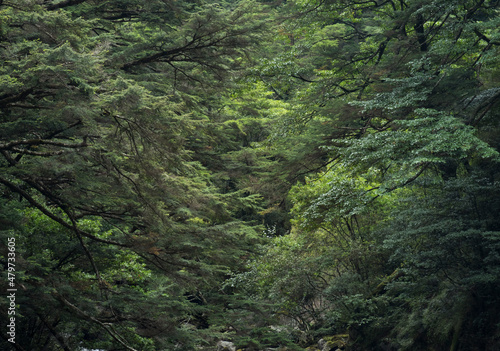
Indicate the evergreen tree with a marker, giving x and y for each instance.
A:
(120, 230)
(393, 109)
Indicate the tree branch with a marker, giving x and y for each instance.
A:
(32, 142)
(106, 326)
(63, 4)
(52, 216)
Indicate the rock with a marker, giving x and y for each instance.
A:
(300, 337)
(278, 328)
(322, 344)
(334, 342)
(225, 346)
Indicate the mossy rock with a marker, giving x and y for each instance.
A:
(336, 341)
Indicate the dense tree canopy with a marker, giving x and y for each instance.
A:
(119, 226)
(175, 173)
(395, 239)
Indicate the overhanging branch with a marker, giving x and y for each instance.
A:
(51, 215)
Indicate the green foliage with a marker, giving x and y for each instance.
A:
(449, 259)
(104, 108)
(392, 146)
(177, 173)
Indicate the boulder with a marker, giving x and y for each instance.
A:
(225, 346)
(334, 342)
(323, 345)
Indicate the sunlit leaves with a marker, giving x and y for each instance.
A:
(400, 97)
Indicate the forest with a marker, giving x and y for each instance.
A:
(251, 175)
